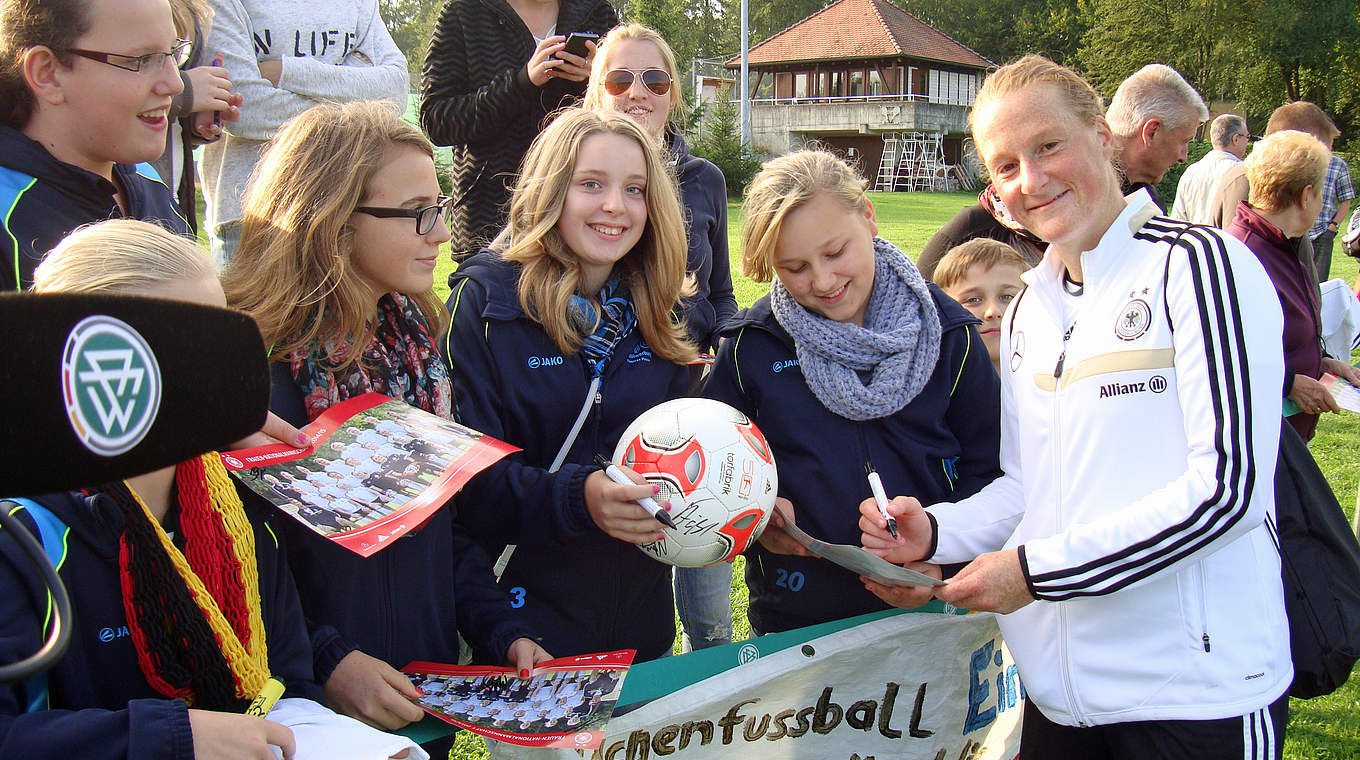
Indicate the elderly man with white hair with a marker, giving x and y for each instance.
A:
(1153, 116)
(1195, 194)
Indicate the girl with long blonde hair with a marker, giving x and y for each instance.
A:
(635, 73)
(563, 332)
(342, 228)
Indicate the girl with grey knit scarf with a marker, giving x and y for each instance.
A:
(851, 360)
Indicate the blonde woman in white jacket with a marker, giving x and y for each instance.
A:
(1125, 545)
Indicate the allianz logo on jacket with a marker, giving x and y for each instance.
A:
(1156, 384)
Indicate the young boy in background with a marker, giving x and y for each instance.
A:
(983, 275)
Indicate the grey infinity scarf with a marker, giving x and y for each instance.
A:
(900, 341)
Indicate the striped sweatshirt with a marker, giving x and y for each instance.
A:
(1140, 423)
(476, 97)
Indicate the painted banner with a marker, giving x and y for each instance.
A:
(916, 685)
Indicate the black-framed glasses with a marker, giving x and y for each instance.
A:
(150, 62)
(425, 216)
(617, 81)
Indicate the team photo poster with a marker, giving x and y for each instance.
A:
(564, 703)
(375, 469)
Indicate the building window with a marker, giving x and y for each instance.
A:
(952, 88)
(837, 83)
(857, 83)
(765, 87)
(800, 84)
(875, 82)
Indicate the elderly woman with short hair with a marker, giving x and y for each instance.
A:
(1286, 172)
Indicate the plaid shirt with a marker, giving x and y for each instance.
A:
(1336, 188)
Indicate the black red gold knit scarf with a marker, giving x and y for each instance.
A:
(195, 615)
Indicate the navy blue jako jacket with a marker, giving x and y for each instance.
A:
(582, 590)
(42, 200)
(942, 446)
(119, 714)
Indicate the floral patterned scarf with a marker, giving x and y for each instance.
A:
(401, 361)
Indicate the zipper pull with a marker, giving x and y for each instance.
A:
(1057, 370)
(1205, 639)
(599, 398)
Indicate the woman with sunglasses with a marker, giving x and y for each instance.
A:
(341, 232)
(85, 86)
(562, 334)
(494, 71)
(634, 73)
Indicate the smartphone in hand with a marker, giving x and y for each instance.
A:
(576, 43)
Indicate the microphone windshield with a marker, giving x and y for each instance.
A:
(104, 387)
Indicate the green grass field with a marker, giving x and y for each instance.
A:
(1327, 728)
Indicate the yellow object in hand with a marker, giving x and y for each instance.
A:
(264, 701)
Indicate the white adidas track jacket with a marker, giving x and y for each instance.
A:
(1139, 465)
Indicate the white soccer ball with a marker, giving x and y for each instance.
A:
(714, 467)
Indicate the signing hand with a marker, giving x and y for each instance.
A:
(991, 583)
(372, 691)
(914, 531)
(524, 654)
(615, 510)
(775, 539)
(1311, 396)
(544, 61)
(229, 736)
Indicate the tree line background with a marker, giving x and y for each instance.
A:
(1257, 53)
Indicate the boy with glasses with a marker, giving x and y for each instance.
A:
(85, 89)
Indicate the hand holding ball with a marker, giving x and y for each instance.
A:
(714, 467)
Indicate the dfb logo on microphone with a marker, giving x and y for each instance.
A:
(111, 384)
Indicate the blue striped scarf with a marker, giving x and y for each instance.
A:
(608, 326)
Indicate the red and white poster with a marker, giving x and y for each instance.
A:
(564, 703)
(375, 469)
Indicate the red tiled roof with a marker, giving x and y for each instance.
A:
(862, 29)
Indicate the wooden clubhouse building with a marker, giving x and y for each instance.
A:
(875, 84)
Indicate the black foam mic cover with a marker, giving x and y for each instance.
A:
(98, 388)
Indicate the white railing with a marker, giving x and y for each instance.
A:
(911, 97)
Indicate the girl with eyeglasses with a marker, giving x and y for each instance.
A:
(494, 71)
(562, 334)
(341, 232)
(85, 86)
(634, 74)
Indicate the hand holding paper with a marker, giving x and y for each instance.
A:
(905, 597)
(776, 538)
(993, 582)
(1343, 390)
(372, 691)
(861, 562)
